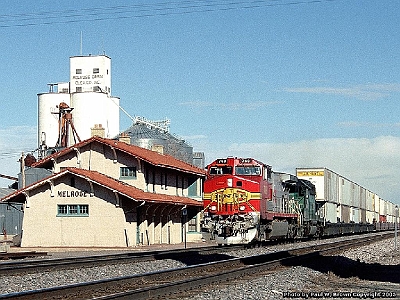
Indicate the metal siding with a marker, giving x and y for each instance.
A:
(330, 212)
(345, 214)
(355, 215)
(11, 218)
(370, 201)
(345, 197)
(363, 198)
(370, 216)
(356, 196)
(363, 215)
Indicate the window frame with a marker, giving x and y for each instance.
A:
(72, 210)
(127, 173)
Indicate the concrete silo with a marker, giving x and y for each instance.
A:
(48, 115)
(93, 109)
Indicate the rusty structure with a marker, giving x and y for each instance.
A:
(64, 124)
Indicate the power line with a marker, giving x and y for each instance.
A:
(14, 153)
(138, 11)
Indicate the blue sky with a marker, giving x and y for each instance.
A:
(291, 83)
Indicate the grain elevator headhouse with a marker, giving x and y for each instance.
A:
(90, 74)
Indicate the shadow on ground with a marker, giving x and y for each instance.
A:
(346, 268)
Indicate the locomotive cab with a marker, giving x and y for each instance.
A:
(232, 193)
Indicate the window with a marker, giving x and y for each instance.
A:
(78, 71)
(96, 71)
(128, 172)
(62, 209)
(72, 210)
(84, 209)
(248, 170)
(192, 225)
(78, 89)
(220, 170)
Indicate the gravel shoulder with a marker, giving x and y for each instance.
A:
(376, 269)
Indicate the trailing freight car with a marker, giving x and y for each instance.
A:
(340, 200)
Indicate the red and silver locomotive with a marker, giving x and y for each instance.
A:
(245, 201)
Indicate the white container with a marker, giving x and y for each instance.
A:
(330, 212)
(355, 215)
(370, 200)
(370, 217)
(326, 183)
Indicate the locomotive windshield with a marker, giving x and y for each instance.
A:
(248, 170)
(220, 170)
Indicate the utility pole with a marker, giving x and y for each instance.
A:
(22, 163)
(396, 212)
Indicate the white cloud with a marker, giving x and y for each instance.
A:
(194, 137)
(363, 92)
(231, 106)
(372, 163)
(367, 124)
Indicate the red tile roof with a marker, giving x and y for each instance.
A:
(112, 184)
(151, 157)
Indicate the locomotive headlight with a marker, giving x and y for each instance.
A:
(213, 207)
(242, 207)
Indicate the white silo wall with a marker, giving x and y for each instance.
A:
(48, 115)
(113, 116)
(91, 109)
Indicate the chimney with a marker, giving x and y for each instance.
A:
(158, 148)
(98, 130)
(124, 137)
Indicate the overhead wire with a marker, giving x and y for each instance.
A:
(132, 11)
(16, 153)
(138, 11)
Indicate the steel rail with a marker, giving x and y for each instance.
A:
(157, 284)
(27, 266)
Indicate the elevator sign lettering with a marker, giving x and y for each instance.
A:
(87, 79)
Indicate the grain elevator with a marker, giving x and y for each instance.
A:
(80, 108)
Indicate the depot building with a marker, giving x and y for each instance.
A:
(107, 193)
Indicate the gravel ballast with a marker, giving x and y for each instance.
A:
(290, 283)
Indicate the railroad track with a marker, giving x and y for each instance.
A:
(36, 266)
(170, 283)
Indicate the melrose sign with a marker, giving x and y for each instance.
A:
(72, 194)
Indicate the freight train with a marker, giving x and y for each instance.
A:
(245, 201)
